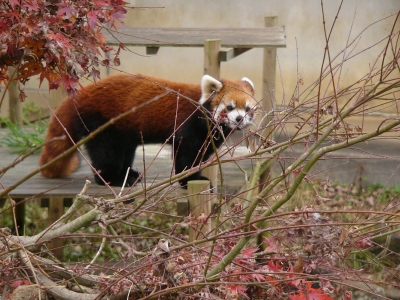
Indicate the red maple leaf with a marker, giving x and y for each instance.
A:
(4, 26)
(14, 3)
(30, 5)
(274, 268)
(14, 16)
(272, 247)
(249, 252)
(92, 16)
(309, 293)
(19, 282)
(66, 8)
(101, 3)
(259, 277)
(117, 17)
(60, 39)
(68, 83)
(238, 290)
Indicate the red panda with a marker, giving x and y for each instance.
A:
(173, 119)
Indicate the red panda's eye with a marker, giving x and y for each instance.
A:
(229, 107)
(247, 109)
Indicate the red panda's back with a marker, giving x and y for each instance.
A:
(119, 93)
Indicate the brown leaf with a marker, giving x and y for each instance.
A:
(298, 265)
(343, 236)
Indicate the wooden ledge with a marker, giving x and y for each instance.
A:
(195, 37)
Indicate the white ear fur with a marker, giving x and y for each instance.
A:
(248, 81)
(208, 86)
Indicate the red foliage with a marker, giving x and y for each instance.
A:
(17, 283)
(60, 40)
(309, 293)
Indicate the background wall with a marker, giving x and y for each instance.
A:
(304, 32)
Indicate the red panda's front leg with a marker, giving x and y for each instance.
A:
(188, 155)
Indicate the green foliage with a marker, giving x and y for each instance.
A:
(21, 139)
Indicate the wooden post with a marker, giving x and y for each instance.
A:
(212, 68)
(200, 204)
(268, 88)
(15, 109)
(56, 96)
(55, 212)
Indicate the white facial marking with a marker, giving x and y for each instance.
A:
(217, 113)
(232, 116)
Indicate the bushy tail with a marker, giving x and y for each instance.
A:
(57, 143)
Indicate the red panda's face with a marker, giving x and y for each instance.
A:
(233, 103)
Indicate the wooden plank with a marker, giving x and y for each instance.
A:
(195, 37)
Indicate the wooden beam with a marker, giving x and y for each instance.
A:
(152, 50)
(228, 54)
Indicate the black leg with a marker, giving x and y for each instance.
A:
(111, 156)
(185, 158)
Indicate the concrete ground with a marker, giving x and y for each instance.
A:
(373, 161)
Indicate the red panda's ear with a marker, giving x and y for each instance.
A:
(208, 86)
(248, 84)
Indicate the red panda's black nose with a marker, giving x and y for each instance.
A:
(239, 118)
